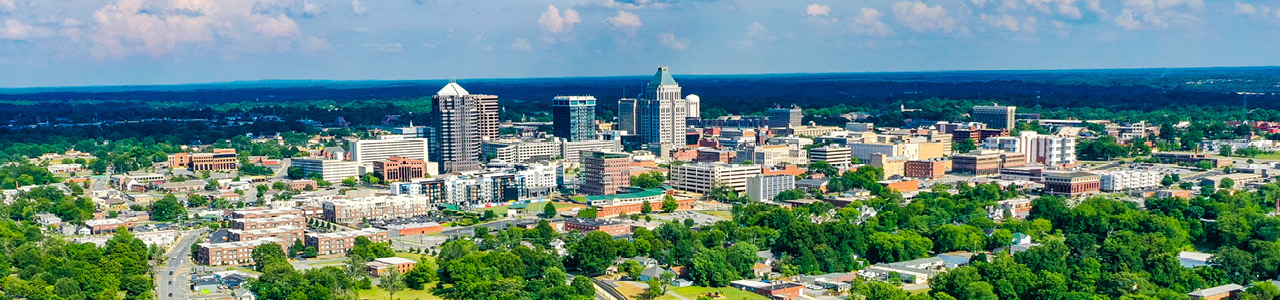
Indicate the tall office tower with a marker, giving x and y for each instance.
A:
(627, 115)
(574, 117)
(693, 106)
(996, 117)
(660, 111)
(488, 107)
(455, 143)
(785, 117)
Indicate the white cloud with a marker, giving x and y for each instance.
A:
(311, 9)
(521, 44)
(1066, 8)
(672, 42)
(387, 47)
(314, 44)
(626, 21)
(1095, 6)
(868, 23)
(128, 27)
(756, 29)
(817, 10)
(358, 7)
(553, 21)
(15, 30)
(8, 5)
(1010, 23)
(1138, 14)
(979, 3)
(1260, 10)
(922, 17)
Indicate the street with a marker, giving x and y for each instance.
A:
(173, 280)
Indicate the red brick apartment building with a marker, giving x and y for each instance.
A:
(588, 225)
(340, 242)
(1072, 184)
(219, 160)
(397, 168)
(271, 222)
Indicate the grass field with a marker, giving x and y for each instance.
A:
(717, 213)
(692, 292)
(533, 207)
(378, 293)
(630, 290)
(414, 256)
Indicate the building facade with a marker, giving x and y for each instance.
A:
(605, 173)
(996, 117)
(1071, 184)
(354, 211)
(396, 169)
(766, 187)
(219, 160)
(1129, 180)
(699, 177)
(455, 116)
(837, 156)
(330, 170)
(785, 117)
(660, 111)
(342, 241)
(574, 117)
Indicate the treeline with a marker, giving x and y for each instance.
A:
(39, 267)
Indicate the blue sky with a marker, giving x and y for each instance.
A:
(125, 42)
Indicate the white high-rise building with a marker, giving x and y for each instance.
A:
(1128, 180)
(366, 152)
(1042, 149)
(661, 111)
(698, 177)
(764, 188)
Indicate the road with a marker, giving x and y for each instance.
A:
(173, 278)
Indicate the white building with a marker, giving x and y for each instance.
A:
(838, 157)
(538, 175)
(864, 151)
(1049, 150)
(366, 152)
(517, 150)
(698, 177)
(693, 106)
(572, 151)
(1129, 180)
(765, 188)
(351, 211)
(660, 111)
(772, 155)
(330, 170)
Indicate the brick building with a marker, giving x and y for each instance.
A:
(411, 229)
(340, 242)
(633, 202)
(219, 160)
(588, 225)
(927, 169)
(1072, 184)
(397, 168)
(263, 213)
(605, 173)
(232, 253)
(269, 222)
(284, 233)
(352, 211)
(382, 266)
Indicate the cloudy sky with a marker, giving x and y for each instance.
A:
(125, 42)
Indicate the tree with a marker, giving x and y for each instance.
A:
(296, 248)
(266, 254)
(168, 209)
(645, 207)
(368, 178)
(549, 210)
(588, 213)
(1227, 183)
(823, 167)
(392, 282)
(648, 180)
(964, 146)
(489, 215)
(1225, 150)
(669, 204)
(593, 253)
(1167, 181)
(350, 181)
(421, 274)
(631, 268)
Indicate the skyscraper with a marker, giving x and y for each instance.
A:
(455, 142)
(996, 117)
(785, 117)
(574, 117)
(627, 115)
(661, 111)
(488, 108)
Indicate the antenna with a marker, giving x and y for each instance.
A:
(453, 79)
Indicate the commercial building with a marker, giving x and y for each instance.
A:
(232, 253)
(455, 143)
(837, 156)
(574, 117)
(633, 201)
(366, 152)
(412, 229)
(330, 170)
(627, 115)
(1049, 150)
(985, 162)
(342, 241)
(766, 187)
(219, 160)
(522, 150)
(1129, 180)
(397, 168)
(264, 213)
(901, 185)
(353, 211)
(996, 117)
(605, 173)
(572, 151)
(107, 225)
(1240, 179)
(381, 266)
(488, 119)
(785, 117)
(1071, 184)
(773, 155)
(892, 165)
(660, 111)
(699, 177)
(927, 169)
(772, 290)
(611, 227)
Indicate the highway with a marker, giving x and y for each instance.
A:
(173, 280)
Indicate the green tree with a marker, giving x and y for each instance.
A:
(1227, 183)
(350, 181)
(392, 282)
(266, 254)
(168, 209)
(588, 213)
(645, 207)
(669, 204)
(421, 274)
(1225, 150)
(964, 146)
(594, 252)
(648, 180)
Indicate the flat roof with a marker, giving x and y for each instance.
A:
(1217, 290)
(395, 260)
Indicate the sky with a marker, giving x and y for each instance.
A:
(142, 42)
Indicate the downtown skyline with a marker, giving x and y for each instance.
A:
(141, 42)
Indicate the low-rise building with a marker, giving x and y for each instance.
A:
(588, 225)
(839, 157)
(352, 211)
(411, 229)
(633, 200)
(231, 253)
(1240, 179)
(264, 213)
(284, 233)
(1071, 184)
(269, 222)
(342, 241)
(331, 170)
(1228, 291)
(107, 225)
(219, 160)
(1130, 180)
(927, 169)
(771, 290)
(401, 169)
(766, 187)
(382, 266)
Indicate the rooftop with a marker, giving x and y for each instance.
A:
(1217, 290)
(452, 89)
(662, 77)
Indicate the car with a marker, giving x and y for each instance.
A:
(170, 294)
(170, 272)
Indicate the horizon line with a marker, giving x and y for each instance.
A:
(613, 76)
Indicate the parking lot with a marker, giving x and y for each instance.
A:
(698, 218)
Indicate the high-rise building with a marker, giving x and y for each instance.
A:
(996, 117)
(488, 119)
(627, 115)
(605, 173)
(660, 111)
(693, 106)
(699, 177)
(574, 117)
(785, 117)
(455, 143)
(766, 187)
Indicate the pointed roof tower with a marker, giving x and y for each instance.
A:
(452, 89)
(662, 77)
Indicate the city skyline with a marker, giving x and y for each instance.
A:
(135, 42)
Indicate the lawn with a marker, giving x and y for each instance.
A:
(533, 207)
(630, 290)
(378, 293)
(692, 292)
(414, 256)
(717, 213)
